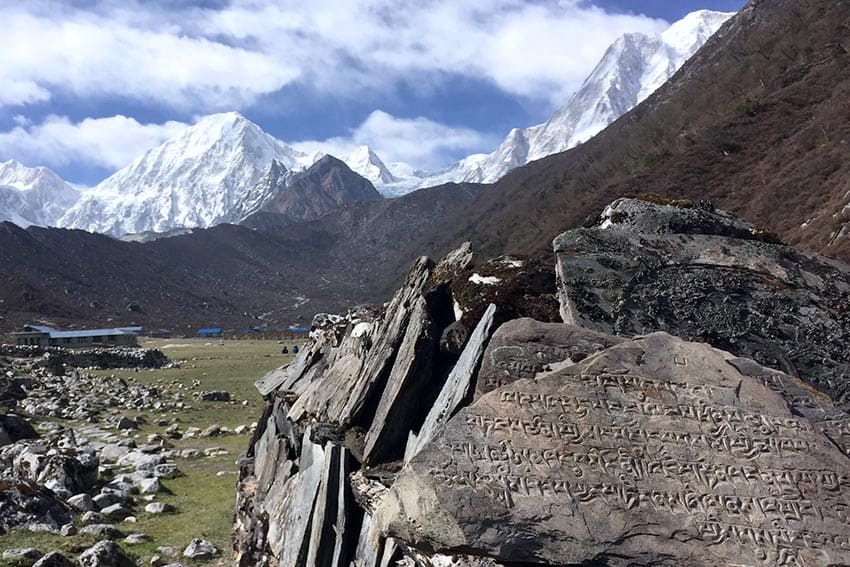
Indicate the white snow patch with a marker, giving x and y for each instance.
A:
(361, 329)
(457, 309)
(484, 280)
(511, 263)
(606, 217)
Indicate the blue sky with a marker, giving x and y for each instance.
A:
(87, 85)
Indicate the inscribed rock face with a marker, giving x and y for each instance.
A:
(523, 347)
(655, 451)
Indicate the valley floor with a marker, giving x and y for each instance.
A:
(203, 498)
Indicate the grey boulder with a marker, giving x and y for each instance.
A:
(105, 554)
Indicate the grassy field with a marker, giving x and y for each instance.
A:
(204, 498)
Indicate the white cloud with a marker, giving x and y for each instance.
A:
(417, 141)
(111, 142)
(538, 49)
(206, 59)
(87, 54)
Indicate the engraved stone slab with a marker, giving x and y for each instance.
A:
(655, 451)
(524, 347)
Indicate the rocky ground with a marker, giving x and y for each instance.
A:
(99, 467)
(687, 409)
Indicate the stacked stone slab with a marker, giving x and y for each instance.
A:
(438, 433)
(351, 401)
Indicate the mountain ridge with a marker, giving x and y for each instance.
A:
(33, 195)
(210, 173)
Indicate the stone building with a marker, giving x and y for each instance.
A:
(36, 335)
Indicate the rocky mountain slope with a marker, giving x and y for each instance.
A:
(407, 436)
(325, 186)
(33, 195)
(752, 122)
(227, 275)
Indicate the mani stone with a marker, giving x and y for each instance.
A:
(703, 275)
(524, 347)
(655, 451)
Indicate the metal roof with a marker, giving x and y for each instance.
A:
(54, 334)
(211, 331)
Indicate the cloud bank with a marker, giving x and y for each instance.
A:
(418, 141)
(206, 59)
(192, 58)
(111, 142)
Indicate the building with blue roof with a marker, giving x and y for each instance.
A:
(40, 335)
(211, 332)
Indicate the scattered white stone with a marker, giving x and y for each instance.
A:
(484, 280)
(158, 508)
(200, 549)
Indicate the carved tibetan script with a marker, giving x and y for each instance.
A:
(657, 443)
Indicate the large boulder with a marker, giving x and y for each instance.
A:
(14, 428)
(655, 451)
(704, 275)
(67, 471)
(26, 505)
(105, 554)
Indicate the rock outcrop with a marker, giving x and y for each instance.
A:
(704, 275)
(449, 429)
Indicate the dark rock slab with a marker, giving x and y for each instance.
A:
(21, 556)
(362, 374)
(216, 396)
(655, 451)
(525, 347)
(14, 428)
(457, 385)
(53, 559)
(405, 385)
(704, 275)
(290, 506)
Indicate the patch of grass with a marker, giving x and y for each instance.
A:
(662, 200)
(204, 501)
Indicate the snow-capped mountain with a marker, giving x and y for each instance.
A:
(33, 195)
(367, 163)
(206, 175)
(632, 68)
(225, 168)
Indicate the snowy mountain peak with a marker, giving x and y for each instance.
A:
(688, 34)
(33, 195)
(366, 162)
(15, 174)
(631, 69)
(205, 175)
